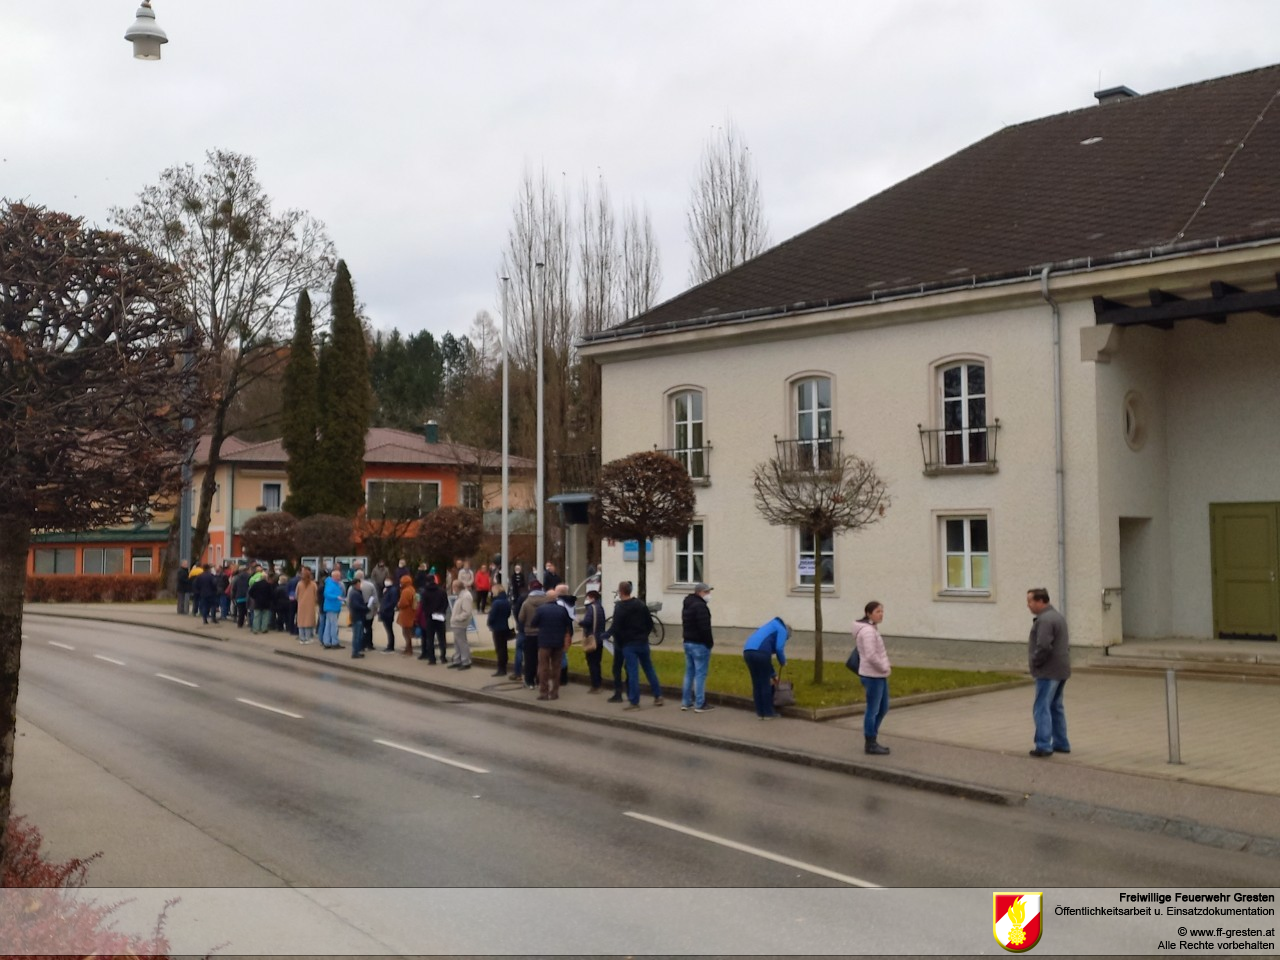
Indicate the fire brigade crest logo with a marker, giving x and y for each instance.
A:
(1015, 920)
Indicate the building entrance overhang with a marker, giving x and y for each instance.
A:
(1164, 309)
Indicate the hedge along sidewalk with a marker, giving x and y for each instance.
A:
(840, 695)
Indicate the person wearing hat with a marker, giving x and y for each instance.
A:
(696, 618)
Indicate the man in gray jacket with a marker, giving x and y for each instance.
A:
(1049, 656)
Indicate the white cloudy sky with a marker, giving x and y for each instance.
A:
(405, 125)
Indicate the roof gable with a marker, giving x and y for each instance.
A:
(1198, 164)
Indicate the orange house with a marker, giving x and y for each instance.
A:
(404, 473)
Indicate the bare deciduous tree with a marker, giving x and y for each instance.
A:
(325, 535)
(840, 494)
(641, 279)
(94, 389)
(449, 534)
(725, 221)
(641, 497)
(244, 265)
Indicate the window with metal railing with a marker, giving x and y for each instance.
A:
(965, 439)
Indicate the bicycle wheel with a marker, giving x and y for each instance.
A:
(657, 633)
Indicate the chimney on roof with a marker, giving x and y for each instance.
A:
(431, 431)
(1114, 95)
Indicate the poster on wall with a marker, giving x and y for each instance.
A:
(631, 551)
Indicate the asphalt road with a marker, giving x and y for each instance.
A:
(323, 778)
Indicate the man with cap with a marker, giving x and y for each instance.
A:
(696, 618)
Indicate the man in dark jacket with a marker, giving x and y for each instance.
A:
(632, 622)
(433, 612)
(696, 618)
(240, 594)
(554, 628)
(224, 596)
(206, 595)
(184, 586)
(1049, 657)
(537, 597)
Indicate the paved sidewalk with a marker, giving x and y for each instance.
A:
(1226, 792)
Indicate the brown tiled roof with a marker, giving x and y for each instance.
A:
(381, 445)
(1192, 166)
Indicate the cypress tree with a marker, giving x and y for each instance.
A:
(302, 414)
(346, 399)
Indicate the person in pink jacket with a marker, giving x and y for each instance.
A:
(873, 671)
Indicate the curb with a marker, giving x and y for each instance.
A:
(954, 788)
(124, 623)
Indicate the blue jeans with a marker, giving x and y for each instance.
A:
(697, 659)
(760, 664)
(1050, 717)
(329, 629)
(637, 657)
(877, 689)
(224, 602)
(207, 607)
(357, 635)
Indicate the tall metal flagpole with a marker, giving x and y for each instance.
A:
(540, 487)
(505, 564)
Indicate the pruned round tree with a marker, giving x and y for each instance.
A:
(823, 496)
(99, 368)
(325, 535)
(270, 536)
(641, 497)
(450, 533)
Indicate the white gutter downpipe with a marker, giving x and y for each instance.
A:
(1057, 440)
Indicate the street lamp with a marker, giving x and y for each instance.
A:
(506, 441)
(145, 36)
(540, 486)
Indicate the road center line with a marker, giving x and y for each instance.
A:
(263, 706)
(61, 646)
(185, 683)
(118, 663)
(754, 851)
(431, 756)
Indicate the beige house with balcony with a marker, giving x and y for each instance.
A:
(1060, 347)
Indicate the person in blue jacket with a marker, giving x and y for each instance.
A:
(758, 651)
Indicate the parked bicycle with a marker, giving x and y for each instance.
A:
(657, 632)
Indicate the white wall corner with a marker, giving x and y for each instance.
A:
(1099, 342)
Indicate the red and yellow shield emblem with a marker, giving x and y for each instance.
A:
(1015, 920)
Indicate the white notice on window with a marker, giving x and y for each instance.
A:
(806, 567)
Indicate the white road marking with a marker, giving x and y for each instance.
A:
(61, 646)
(185, 683)
(431, 756)
(263, 706)
(754, 851)
(118, 663)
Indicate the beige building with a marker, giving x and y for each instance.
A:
(1059, 347)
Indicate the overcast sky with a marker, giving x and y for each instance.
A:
(405, 125)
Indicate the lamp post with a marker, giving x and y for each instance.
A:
(539, 486)
(506, 440)
(145, 36)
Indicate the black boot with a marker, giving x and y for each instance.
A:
(875, 748)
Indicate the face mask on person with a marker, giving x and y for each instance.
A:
(386, 583)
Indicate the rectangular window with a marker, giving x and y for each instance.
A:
(814, 557)
(140, 561)
(966, 555)
(402, 500)
(271, 496)
(686, 425)
(813, 422)
(104, 560)
(964, 414)
(59, 560)
(690, 556)
(472, 496)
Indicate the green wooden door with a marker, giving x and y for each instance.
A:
(1246, 560)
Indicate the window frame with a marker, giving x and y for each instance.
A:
(943, 591)
(137, 554)
(966, 432)
(100, 554)
(799, 552)
(420, 484)
(57, 552)
(469, 491)
(818, 442)
(279, 488)
(685, 547)
(692, 453)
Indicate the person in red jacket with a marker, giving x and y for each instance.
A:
(484, 583)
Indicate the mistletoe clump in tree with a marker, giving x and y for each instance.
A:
(822, 500)
(99, 368)
(642, 497)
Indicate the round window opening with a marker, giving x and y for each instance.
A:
(1135, 421)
